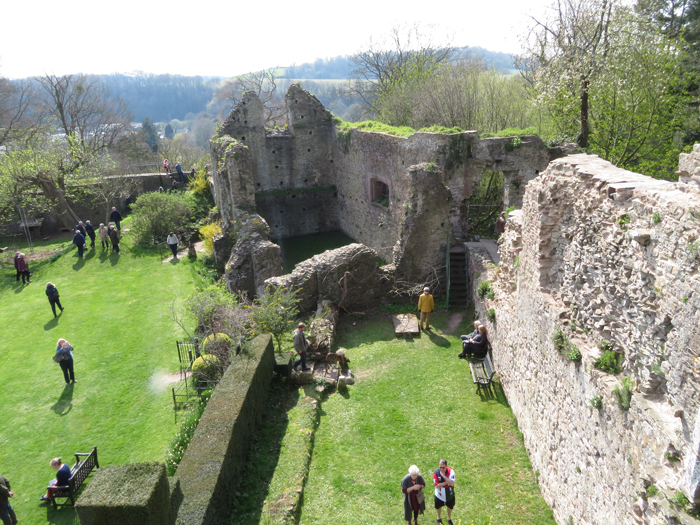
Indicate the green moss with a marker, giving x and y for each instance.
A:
(303, 191)
(373, 125)
(459, 151)
(608, 362)
(512, 132)
(211, 338)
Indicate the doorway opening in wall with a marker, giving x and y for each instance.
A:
(481, 210)
(297, 249)
(379, 192)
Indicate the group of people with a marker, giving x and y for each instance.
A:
(414, 499)
(108, 234)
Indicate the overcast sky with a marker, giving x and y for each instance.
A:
(226, 38)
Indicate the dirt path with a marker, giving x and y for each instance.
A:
(453, 322)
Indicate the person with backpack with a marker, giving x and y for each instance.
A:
(52, 294)
(444, 481)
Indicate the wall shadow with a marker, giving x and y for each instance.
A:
(64, 404)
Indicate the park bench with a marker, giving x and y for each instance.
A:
(482, 371)
(78, 474)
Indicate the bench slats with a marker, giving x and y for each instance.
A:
(79, 473)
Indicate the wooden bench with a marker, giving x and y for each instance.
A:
(78, 474)
(482, 371)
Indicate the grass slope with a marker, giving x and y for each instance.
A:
(413, 403)
(117, 316)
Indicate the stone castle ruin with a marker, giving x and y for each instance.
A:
(402, 197)
(606, 256)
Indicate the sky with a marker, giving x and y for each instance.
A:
(229, 37)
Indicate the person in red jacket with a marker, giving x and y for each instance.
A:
(444, 481)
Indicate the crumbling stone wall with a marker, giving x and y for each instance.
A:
(605, 254)
(310, 177)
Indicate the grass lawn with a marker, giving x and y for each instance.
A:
(413, 403)
(117, 317)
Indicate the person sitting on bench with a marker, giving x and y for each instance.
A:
(477, 324)
(477, 346)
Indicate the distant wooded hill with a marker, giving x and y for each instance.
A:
(163, 98)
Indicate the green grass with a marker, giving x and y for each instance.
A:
(398, 131)
(117, 316)
(413, 403)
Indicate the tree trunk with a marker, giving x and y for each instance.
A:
(583, 136)
(62, 209)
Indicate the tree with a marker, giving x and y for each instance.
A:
(150, 134)
(274, 313)
(377, 67)
(19, 170)
(156, 214)
(264, 85)
(566, 52)
(20, 118)
(169, 132)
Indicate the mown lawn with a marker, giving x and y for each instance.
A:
(413, 403)
(118, 318)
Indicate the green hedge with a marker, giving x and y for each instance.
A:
(219, 448)
(135, 494)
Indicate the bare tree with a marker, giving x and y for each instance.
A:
(265, 85)
(20, 118)
(376, 66)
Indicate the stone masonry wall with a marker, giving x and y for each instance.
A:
(611, 255)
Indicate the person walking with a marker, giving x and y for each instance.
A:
(16, 266)
(413, 498)
(65, 350)
(426, 304)
(444, 481)
(104, 235)
(300, 345)
(7, 514)
(173, 241)
(81, 228)
(79, 241)
(23, 268)
(116, 218)
(91, 233)
(52, 294)
(114, 237)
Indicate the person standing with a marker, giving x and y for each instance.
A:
(413, 498)
(16, 266)
(114, 237)
(104, 235)
(500, 225)
(173, 241)
(116, 218)
(91, 233)
(23, 268)
(444, 481)
(180, 173)
(166, 168)
(426, 304)
(81, 228)
(300, 345)
(52, 294)
(79, 241)
(63, 347)
(7, 514)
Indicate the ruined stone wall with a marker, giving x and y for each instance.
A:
(605, 254)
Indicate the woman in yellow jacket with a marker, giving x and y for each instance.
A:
(425, 306)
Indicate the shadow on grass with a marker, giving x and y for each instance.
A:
(65, 402)
(114, 259)
(438, 340)
(494, 392)
(90, 254)
(61, 516)
(19, 287)
(77, 265)
(53, 323)
(263, 456)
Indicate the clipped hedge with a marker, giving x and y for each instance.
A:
(219, 449)
(282, 503)
(135, 494)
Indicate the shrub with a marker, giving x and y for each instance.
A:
(561, 342)
(609, 362)
(274, 313)
(208, 232)
(596, 402)
(623, 394)
(575, 354)
(491, 315)
(656, 217)
(652, 491)
(156, 214)
(680, 499)
(219, 338)
(206, 368)
(624, 220)
(484, 289)
(606, 345)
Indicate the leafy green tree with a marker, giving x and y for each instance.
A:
(274, 312)
(156, 214)
(169, 132)
(150, 134)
